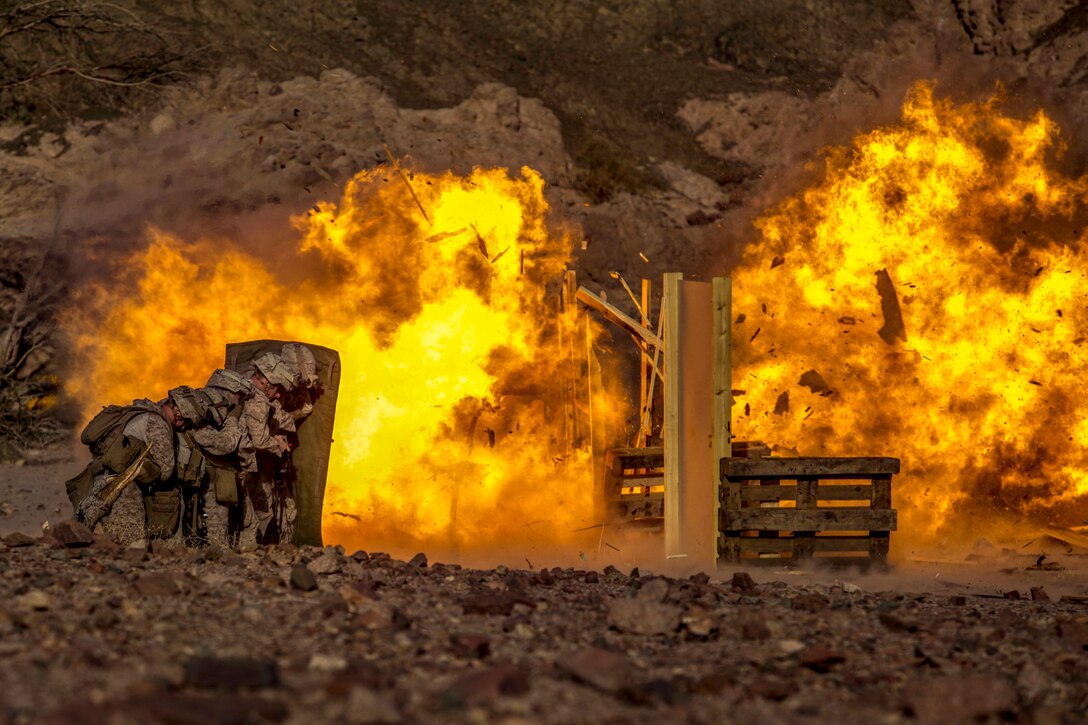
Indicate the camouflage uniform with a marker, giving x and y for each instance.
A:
(259, 437)
(287, 414)
(149, 430)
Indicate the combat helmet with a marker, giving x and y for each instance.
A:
(191, 405)
(271, 366)
(231, 381)
(299, 359)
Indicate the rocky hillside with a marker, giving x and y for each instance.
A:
(662, 129)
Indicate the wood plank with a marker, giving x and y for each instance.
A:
(878, 545)
(644, 402)
(671, 435)
(721, 437)
(825, 492)
(803, 545)
(729, 549)
(882, 492)
(614, 315)
(828, 519)
(819, 544)
(858, 468)
(639, 454)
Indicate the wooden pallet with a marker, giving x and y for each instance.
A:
(635, 482)
(802, 508)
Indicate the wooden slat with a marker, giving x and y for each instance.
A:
(878, 545)
(829, 519)
(882, 492)
(613, 314)
(756, 468)
(624, 458)
(825, 492)
(819, 543)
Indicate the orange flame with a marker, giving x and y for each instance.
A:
(926, 301)
(445, 433)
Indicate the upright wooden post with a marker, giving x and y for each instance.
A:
(644, 368)
(570, 291)
(721, 441)
(671, 307)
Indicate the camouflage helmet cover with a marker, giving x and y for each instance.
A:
(232, 381)
(271, 366)
(299, 359)
(190, 404)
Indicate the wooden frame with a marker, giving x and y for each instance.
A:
(750, 484)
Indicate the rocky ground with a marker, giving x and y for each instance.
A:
(661, 129)
(91, 632)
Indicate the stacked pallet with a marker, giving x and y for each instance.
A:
(635, 482)
(801, 508)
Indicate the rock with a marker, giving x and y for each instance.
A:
(770, 688)
(599, 668)
(960, 698)
(653, 590)
(35, 599)
(231, 673)
(850, 588)
(591, 577)
(366, 707)
(639, 616)
(159, 584)
(790, 646)
(476, 646)
(419, 561)
(896, 624)
(1074, 633)
(500, 603)
(302, 578)
(820, 658)
(19, 539)
(72, 533)
(6, 509)
(371, 614)
(103, 542)
(162, 123)
(480, 687)
(755, 629)
(1038, 594)
(1012, 594)
(658, 691)
(173, 707)
(742, 581)
(360, 556)
(327, 563)
(322, 662)
(810, 602)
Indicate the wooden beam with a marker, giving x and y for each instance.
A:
(614, 316)
(819, 543)
(756, 494)
(832, 519)
(856, 468)
(670, 306)
(722, 372)
(644, 403)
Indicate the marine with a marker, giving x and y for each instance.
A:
(133, 450)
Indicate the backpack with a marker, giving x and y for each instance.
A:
(107, 427)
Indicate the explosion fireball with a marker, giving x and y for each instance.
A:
(926, 301)
(436, 295)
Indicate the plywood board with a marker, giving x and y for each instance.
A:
(690, 468)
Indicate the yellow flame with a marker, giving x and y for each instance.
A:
(979, 391)
(446, 428)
